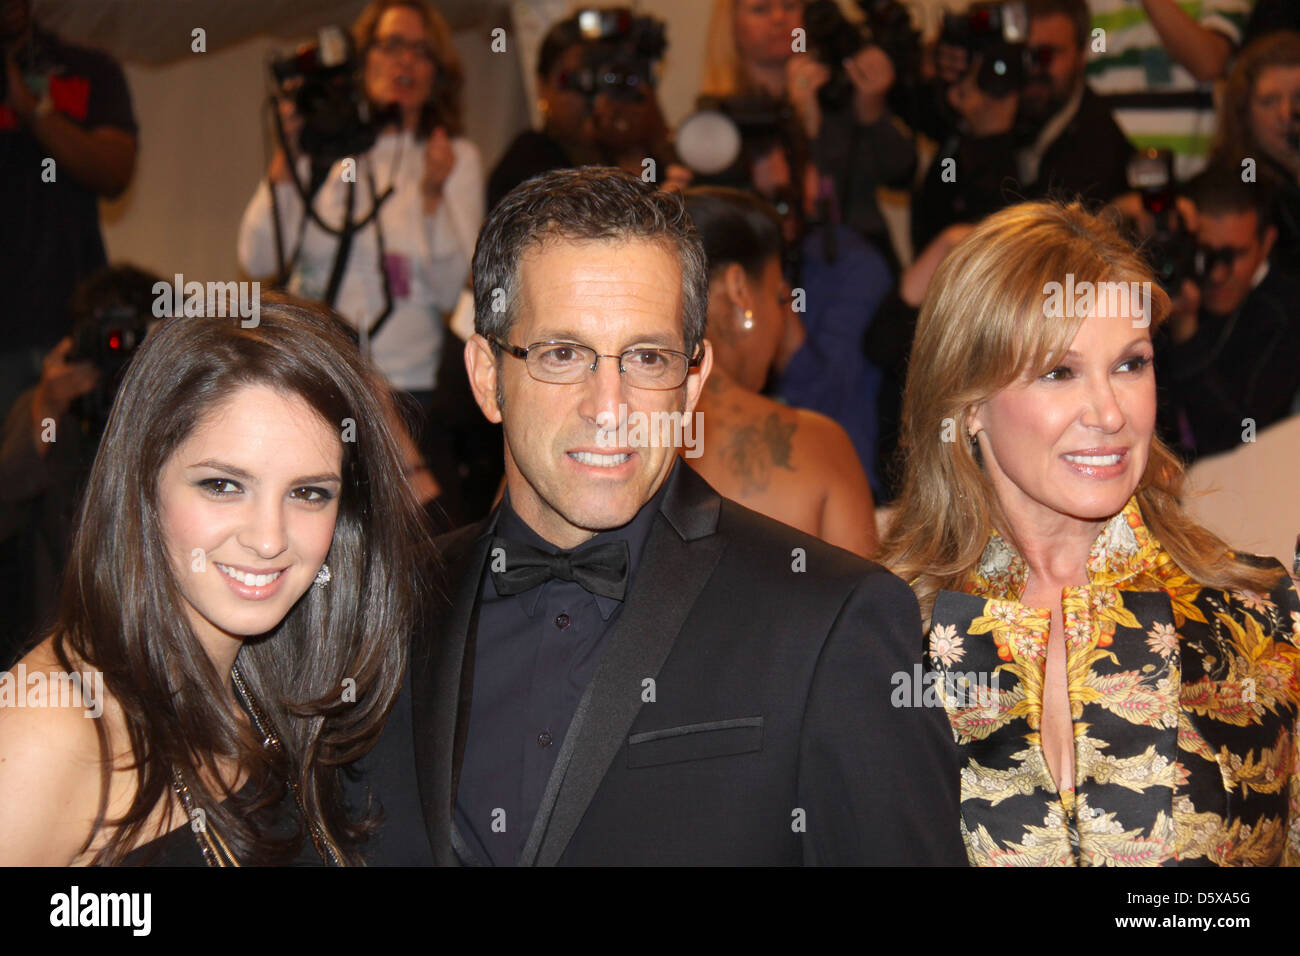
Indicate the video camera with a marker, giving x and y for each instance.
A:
(1171, 251)
(833, 38)
(323, 81)
(997, 33)
(108, 339)
(712, 139)
(616, 76)
(620, 60)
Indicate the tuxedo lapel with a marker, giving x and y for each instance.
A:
(441, 692)
(679, 557)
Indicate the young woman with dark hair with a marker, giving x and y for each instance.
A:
(243, 582)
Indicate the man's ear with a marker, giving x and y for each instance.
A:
(481, 365)
(698, 376)
(1270, 237)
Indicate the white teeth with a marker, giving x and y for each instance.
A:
(600, 461)
(1098, 460)
(249, 579)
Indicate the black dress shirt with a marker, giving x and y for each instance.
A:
(535, 653)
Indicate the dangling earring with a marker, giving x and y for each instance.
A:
(322, 577)
(746, 318)
(974, 445)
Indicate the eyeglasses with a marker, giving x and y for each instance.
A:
(566, 363)
(1210, 257)
(394, 45)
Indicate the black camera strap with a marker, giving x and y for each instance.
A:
(344, 251)
(379, 320)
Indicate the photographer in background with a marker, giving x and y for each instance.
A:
(1029, 125)
(1229, 350)
(840, 107)
(67, 135)
(391, 227)
(51, 433)
(596, 80)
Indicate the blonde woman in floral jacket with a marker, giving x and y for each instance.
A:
(1122, 686)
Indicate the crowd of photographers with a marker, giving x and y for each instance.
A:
(1187, 127)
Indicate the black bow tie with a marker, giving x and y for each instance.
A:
(597, 568)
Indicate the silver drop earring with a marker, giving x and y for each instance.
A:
(322, 577)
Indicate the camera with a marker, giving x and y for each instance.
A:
(723, 130)
(1171, 251)
(833, 38)
(323, 81)
(108, 339)
(620, 60)
(616, 77)
(998, 34)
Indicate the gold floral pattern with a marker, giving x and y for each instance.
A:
(1184, 701)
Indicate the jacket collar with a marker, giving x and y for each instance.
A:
(1124, 548)
(677, 562)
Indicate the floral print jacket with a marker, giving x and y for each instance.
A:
(1183, 700)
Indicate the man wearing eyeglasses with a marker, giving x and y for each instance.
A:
(628, 668)
(1233, 343)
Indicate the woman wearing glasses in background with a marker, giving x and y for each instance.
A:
(240, 594)
(406, 269)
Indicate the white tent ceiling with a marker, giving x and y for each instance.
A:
(160, 31)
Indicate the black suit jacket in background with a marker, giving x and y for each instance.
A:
(740, 714)
(1089, 159)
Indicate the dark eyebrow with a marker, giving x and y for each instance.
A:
(657, 341)
(1140, 340)
(563, 335)
(245, 476)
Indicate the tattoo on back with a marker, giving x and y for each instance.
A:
(752, 452)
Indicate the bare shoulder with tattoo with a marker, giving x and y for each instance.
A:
(793, 465)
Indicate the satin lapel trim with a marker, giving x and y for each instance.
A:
(672, 574)
(440, 700)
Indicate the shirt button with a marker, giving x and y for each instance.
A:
(543, 739)
(562, 621)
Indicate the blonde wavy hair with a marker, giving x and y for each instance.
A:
(981, 327)
(723, 76)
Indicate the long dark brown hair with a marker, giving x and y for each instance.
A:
(328, 673)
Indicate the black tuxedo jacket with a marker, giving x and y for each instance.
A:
(740, 714)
